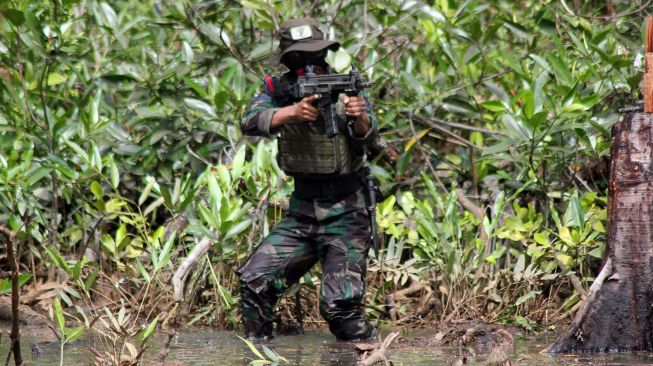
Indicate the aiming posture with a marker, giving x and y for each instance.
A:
(328, 218)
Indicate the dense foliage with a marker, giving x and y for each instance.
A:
(120, 146)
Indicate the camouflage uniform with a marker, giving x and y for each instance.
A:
(333, 229)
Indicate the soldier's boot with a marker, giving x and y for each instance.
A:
(347, 323)
(258, 314)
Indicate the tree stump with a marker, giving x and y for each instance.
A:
(618, 313)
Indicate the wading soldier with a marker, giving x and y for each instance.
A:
(327, 219)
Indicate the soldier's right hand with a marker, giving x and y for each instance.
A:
(304, 111)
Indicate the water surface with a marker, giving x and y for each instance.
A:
(211, 347)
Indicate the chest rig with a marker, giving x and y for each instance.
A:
(306, 151)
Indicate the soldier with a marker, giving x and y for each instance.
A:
(327, 219)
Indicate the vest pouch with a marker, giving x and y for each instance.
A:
(305, 151)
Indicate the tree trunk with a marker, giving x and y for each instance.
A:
(15, 295)
(618, 313)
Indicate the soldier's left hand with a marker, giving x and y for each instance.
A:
(354, 105)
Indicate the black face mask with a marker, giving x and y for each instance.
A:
(302, 59)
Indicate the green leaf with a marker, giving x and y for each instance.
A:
(560, 70)
(96, 189)
(144, 334)
(96, 158)
(494, 106)
(522, 299)
(78, 269)
(58, 259)
(214, 188)
(272, 356)
(56, 79)
(573, 108)
(80, 152)
(342, 60)
(256, 5)
(91, 279)
(146, 192)
(115, 176)
(164, 256)
(121, 234)
(200, 106)
(252, 348)
(5, 284)
(220, 100)
(141, 268)
(565, 259)
(35, 175)
(238, 228)
(16, 17)
(58, 315)
(73, 334)
(542, 238)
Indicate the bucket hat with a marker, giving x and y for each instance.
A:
(303, 34)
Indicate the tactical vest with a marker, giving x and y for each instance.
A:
(306, 152)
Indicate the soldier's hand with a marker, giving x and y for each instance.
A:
(354, 105)
(305, 111)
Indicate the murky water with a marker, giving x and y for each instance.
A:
(210, 347)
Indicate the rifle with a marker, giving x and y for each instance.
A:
(328, 87)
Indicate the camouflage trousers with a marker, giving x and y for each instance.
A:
(334, 232)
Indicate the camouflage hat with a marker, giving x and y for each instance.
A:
(303, 34)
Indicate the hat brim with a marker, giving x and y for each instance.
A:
(312, 46)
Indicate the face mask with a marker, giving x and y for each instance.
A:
(299, 60)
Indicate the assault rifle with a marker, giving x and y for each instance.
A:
(328, 87)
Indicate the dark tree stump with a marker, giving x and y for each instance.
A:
(618, 313)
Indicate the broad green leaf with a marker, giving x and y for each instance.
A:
(342, 60)
(200, 106)
(96, 189)
(73, 334)
(16, 17)
(542, 238)
(56, 79)
(565, 236)
(565, 259)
